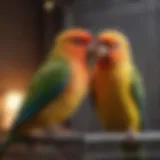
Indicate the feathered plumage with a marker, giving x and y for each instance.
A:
(117, 89)
(58, 88)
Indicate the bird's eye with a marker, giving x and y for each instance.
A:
(78, 41)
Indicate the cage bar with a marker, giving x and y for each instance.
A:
(83, 146)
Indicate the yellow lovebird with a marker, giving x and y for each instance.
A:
(117, 90)
(58, 88)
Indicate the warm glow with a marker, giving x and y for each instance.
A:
(13, 100)
(48, 5)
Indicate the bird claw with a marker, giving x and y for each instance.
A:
(130, 135)
(62, 131)
(130, 142)
(38, 133)
(59, 131)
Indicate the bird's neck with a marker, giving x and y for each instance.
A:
(124, 67)
(57, 54)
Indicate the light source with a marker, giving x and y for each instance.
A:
(48, 5)
(12, 102)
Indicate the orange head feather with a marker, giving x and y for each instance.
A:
(113, 49)
(73, 44)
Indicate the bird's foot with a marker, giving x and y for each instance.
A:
(60, 130)
(130, 140)
(38, 133)
(36, 146)
(130, 135)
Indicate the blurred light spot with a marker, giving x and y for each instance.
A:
(48, 5)
(13, 100)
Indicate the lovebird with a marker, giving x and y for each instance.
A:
(117, 90)
(58, 87)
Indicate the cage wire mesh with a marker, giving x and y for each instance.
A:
(89, 146)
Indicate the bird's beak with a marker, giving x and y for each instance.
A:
(102, 51)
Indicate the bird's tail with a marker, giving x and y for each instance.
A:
(133, 151)
(5, 146)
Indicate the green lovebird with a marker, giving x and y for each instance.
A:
(58, 88)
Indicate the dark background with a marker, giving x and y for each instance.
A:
(26, 33)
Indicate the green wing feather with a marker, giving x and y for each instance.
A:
(135, 150)
(138, 94)
(49, 82)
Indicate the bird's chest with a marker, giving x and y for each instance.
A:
(78, 87)
(111, 86)
(111, 90)
(61, 109)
